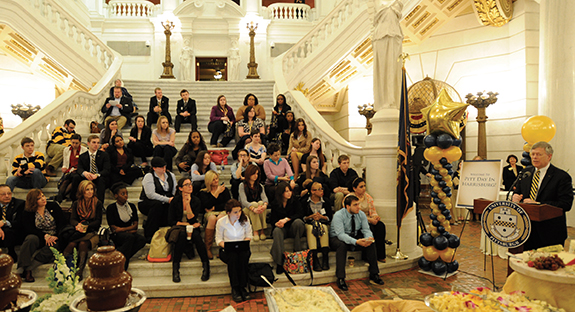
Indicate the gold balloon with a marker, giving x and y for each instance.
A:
(438, 166)
(445, 223)
(527, 147)
(449, 183)
(444, 115)
(433, 182)
(434, 233)
(441, 195)
(446, 254)
(447, 178)
(447, 227)
(446, 200)
(443, 171)
(430, 253)
(437, 189)
(448, 206)
(452, 154)
(433, 206)
(432, 228)
(441, 218)
(433, 154)
(538, 128)
(436, 212)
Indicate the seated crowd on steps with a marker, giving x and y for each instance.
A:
(294, 194)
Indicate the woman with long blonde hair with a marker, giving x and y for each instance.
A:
(164, 139)
(214, 198)
(86, 219)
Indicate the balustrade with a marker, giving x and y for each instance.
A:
(131, 8)
(289, 11)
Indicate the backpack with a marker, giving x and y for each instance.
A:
(255, 270)
(160, 250)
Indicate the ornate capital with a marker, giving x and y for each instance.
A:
(493, 12)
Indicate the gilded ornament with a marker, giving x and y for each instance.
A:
(444, 115)
(299, 87)
(493, 12)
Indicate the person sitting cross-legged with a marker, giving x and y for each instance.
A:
(27, 168)
(350, 231)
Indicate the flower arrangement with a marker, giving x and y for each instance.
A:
(483, 299)
(64, 284)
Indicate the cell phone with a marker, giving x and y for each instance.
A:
(222, 183)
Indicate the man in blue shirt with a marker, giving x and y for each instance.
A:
(350, 231)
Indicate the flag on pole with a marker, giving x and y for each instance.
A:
(404, 170)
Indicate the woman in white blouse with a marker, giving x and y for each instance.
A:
(235, 227)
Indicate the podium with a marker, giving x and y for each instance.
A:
(536, 212)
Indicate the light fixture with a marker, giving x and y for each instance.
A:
(218, 75)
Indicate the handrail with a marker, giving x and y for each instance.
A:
(289, 11)
(90, 52)
(131, 8)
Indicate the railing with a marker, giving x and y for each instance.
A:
(322, 33)
(131, 8)
(289, 11)
(88, 52)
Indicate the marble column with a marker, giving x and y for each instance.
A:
(557, 76)
(252, 7)
(169, 5)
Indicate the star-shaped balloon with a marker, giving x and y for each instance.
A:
(444, 115)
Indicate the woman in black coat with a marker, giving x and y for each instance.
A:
(186, 203)
(510, 172)
(122, 162)
(122, 218)
(42, 222)
(141, 140)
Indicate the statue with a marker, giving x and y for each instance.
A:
(387, 41)
(234, 61)
(186, 58)
(168, 26)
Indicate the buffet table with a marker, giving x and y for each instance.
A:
(555, 287)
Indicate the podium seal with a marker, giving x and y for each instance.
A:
(506, 224)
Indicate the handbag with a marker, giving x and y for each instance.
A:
(229, 133)
(317, 229)
(255, 271)
(160, 249)
(219, 157)
(298, 262)
(173, 233)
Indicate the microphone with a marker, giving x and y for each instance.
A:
(524, 174)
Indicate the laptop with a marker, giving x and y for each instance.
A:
(237, 246)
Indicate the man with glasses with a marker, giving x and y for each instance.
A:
(10, 210)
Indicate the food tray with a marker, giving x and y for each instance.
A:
(428, 298)
(272, 304)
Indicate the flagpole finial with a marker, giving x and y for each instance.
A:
(404, 56)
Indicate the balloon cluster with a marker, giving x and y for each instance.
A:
(439, 245)
(536, 129)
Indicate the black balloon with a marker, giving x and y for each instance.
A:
(424, 264)
(426, 239)
(456, 142)
(436, 200)
(432, 216)
(446, 234)
(526, 162)
(433, 171)
(446, 189)
(440, 242)
(448, 217)
(441, 206)
(438, 177)
(450, 172)
(447, 166)
(448, 194)
(440, 229)
(452, 266)
(443, 161)
(445, 212)
(438, 267)
(526, 154)
(444, 140)
(432, 194)
(442, 183)
(453, 241)
(435, 223)
(430, 140)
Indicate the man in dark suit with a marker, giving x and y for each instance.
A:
(121, 111)
(93, 165)
(186, 111)
(10, 211)
(544, 183)
(159, 106)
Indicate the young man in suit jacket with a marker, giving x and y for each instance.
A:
(10, 212)
(186, 111)
(120, 112)
(99, 175)
(159, 106)
(544, 183)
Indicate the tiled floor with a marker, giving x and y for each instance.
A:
(409, 284)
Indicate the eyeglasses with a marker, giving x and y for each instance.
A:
(319, 189)
(187, 184)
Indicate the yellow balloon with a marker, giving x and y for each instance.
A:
(446, 200)
(433, 154)
(441, 218)
(443, 172)
(445, 223)
(446, 254)
(436, 212)
(433, 206)
(449, 183)
(441, 195)
(448, 206)
(437, 166)
(433, 182)
(452, 154)
(430, 253)
(538, 128)
(527, 147)
(447, 227)
(447, 178)
(437, 189)
(434, 233)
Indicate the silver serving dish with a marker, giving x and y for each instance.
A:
(273, 307)
(427, 299)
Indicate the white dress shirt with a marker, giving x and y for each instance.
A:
(228, 232)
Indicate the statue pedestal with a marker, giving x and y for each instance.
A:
(381, 178)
